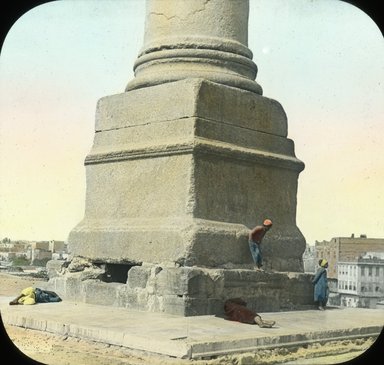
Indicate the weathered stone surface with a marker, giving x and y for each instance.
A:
(196, 98)
(198, 38)
(215, 169)
(54, 267)
(183, 165)
(138, 276)
(95, 292)
(191, 291)
(73, 287)
(79, 264)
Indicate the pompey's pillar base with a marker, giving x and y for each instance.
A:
(185, 184)
(185, 291)
(184, 163)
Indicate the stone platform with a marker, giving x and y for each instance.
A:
(193, 337)
(185, 291)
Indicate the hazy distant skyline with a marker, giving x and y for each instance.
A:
(322, 60)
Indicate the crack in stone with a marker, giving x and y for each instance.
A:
(187, 15)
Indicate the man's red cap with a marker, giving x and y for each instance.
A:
(267, 222)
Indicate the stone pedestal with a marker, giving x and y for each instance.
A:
(180, 171)
(183, 164)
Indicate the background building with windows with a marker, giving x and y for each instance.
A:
(310, 261)
(346, 249)
(361, 282)
(355, 269)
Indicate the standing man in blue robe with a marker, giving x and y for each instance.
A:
(321, 285)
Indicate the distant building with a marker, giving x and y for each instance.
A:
(310, 260)
(56, 246)
(40, 254)
(47, 250)
(59, 255)
(361, 282)
(373, 255)
(7, 256)
(43, 245)
(32, 250)
(13, 246)
(7, 245)
(346, 249)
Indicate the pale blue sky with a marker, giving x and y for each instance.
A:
(322, 60)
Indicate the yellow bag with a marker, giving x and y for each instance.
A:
(28, 296)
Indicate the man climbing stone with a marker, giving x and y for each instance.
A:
(256, 236)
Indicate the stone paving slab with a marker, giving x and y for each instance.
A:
(192, 337)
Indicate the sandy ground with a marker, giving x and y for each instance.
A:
(46, 348)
